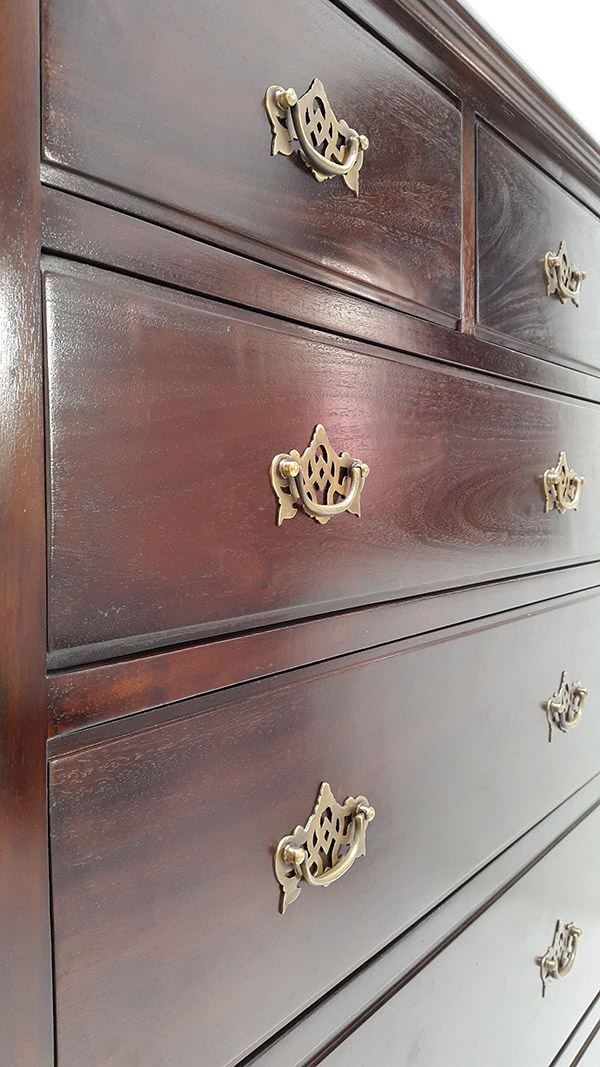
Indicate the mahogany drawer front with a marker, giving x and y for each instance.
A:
(165, 412)
(485, 988)
(194, 134)
(162, 840)
(522, 215)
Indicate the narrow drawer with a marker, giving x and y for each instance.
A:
(169, 104)
(168, 934)
(165, 414)
(522, 215)
(486, 986)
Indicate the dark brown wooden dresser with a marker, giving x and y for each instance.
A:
(300, 387)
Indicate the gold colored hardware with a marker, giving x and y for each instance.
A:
(328, 146)
(562, 486)
(314, 853)
(562, 277)
(559, 958)
(565, 707)
(298, 480)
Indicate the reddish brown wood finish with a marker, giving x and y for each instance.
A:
(25, 971)
(522, 214)
(165, 414)
(357, 999)
(84, 696)
(469, 293)
(93, 232)
(141, 822)
(444, 39)
(162, 839)
(194, 134)
(498, 952)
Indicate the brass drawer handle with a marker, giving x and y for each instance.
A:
(311, 121)
(565, 707)
(562, 486)
(312, 853)
(298, 479)
(558, 960)
(562, 277)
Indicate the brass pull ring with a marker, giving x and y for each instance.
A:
(559, 958)
(291, 470)
(565, 707)
(562, 277)
(311, 121)
(328, 167)
(297, 479)
(562, 486)
(312, 853)
(298, 857)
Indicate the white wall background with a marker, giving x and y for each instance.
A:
(559, 41)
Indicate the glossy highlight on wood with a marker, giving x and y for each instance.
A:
(163, 528)
(26, 1017)
(522, 213)
(131, 834)
(196, 136)
(179, 676)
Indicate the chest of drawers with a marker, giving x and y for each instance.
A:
(301, 586)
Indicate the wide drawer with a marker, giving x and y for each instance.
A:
(165, 413)
(169, 103)
(168, 935)
(522, 215)
(480, 1002)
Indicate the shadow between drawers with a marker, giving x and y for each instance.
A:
(580, 1038)
(93, 694)
(308, 1039)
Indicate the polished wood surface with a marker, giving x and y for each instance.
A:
(175, 825)
(195, 134)
(87, 695)
(164, 415)
(26, 1038)
(445, 39)
(196, 666)
(310, 1039)
(76, 227)
(522, 214)
(491, 972)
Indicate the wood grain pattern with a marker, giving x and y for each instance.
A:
(163, 521)
(162, 839)
(87, 695)
(367, 989)
(446, 40)
(522, 214)
(195, 135)
(26, 1036)
(497, 953)
(469, 207)
(97, 234)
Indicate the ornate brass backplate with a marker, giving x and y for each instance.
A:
(323, 850)
(565, 707)
(562, 486)
(299, 481)
(562, 277)
(558, 960)
(327, 145)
